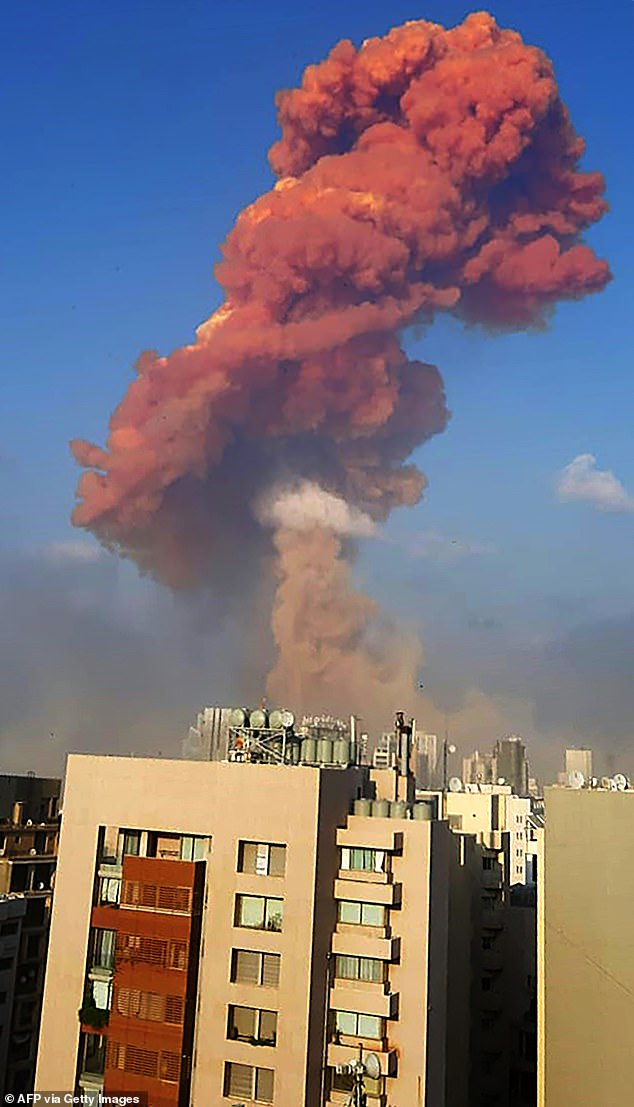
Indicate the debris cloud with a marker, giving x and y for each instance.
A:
(428, 171)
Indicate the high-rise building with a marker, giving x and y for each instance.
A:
(29, 831)
(479, 768)
(585, 949)
(512, 764)
(579, 761)
(426, 760)
(230, 931)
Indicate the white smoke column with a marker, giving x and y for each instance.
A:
(305, 505)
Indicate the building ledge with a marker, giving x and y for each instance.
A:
(343, 1054)
(363, 832)
(367, 891)
(343, 997)
(354, 943)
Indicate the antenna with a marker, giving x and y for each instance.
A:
(576, 779)
(621, 782)
(455, 784)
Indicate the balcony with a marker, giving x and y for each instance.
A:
(342, 1055)
(357, 944)
(363, 886)
(375, 1001)
(364, 833)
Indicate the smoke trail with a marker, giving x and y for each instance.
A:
(428, 171)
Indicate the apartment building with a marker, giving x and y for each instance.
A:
(586, 952)
(12, 908)
(29, 831)
(228, 933)
(504, 957)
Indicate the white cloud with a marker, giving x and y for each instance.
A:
(581, 481)
(434, 546)
(305, 505)
(72, 551)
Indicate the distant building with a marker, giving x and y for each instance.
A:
(426, 760)
(479, 768)
(579, 761)
(29, 831)
(512, 764)
(207, 739)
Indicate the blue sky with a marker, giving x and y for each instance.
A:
(134, 132)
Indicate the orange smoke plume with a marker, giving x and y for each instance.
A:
(430, 170)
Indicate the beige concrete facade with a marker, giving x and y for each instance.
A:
(586, 947)
(411, 899)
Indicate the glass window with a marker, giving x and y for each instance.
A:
(369, 1026)
(346, 1022)
(101, 994)
(372, 914)
(249, 1083)
(131, 843)
(354, 1024)
(251, 967)
(260, 913)
(104, 945)
(360, 859)
(262, 859)
(367, 914)
(271, 969)
(359, 968)
(264, 1083)
(251, 911)
(349, 912)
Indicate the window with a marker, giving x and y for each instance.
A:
(259, 912)
(488, 863)
(487, 983)
(193, 849)
(3, 998)
(364, 860)
(359, 968)
(109, 890)
(354, 1024)
(32, 948)
(365, 914)
(103, 948)
(131, 843)
(248, 966)
(249, 1082)
(262, 859)
(101, 994)
(8, 928)
(488, 941)
(250, 1024)
(94, 1060)
(5, 963)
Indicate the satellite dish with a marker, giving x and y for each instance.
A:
(613, 785)
(501, 780)
(372, 1066)
(455, 784)
(258, 719)
(621, 782)
(275, 720)
(239, 717)
(576, 779)
(594, 782)
(451, 749)
(287, 719)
